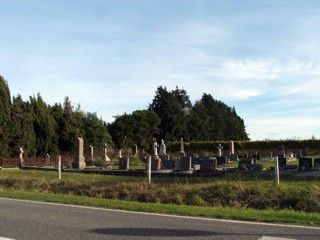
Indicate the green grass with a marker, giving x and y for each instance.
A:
(233, 196)
(269, 215)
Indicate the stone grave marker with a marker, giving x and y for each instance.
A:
(316, 164)
(231, 147)
(234, 157)
(123, 163)
(208, 165)
(168, 164)
(220, 147)
(282, 162)
(185, 164)
(305, 164)
(281, 152)
(79, 162)
(244, 163)
(221, 160)
(256, 168)
(297, 153)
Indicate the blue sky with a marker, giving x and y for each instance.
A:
(262, 57)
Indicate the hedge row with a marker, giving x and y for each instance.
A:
(311, 146)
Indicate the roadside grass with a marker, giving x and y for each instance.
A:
(245, 214)
(232, 196)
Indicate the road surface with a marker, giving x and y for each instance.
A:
(28, 220)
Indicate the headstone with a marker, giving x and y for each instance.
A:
(244, 163)
(221, 160)
(195, 161)
(317, 164)
(120, 153)
(182, 153)
(185, 164)
(305, 164)
(208, 165)
(79, 162)
(234, 157)
(155, 163)
(124, 163)
(257, 168)
(297, 153)
(282, 162)
(47, 159)
(91, 152)
(106, 158)
(281, 152)
(231, 147)
(168, 164)
(219, 150)
(135, 149)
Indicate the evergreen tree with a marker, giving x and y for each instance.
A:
(171, 108)
(136, 128)
(95, 131)
(70, 126)
(22, 132)
(44, 127)
(5, 104)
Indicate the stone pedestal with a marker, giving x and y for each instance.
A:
(79, 162)
(155, 163)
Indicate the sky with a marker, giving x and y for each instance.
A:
(110, 56)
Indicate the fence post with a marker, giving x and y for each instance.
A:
(276, 168)
(149, 169)
(59, 167)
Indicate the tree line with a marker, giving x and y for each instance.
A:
(41, 128)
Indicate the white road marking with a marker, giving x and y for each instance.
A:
(168, 215)
(273, 238)
(2, 238)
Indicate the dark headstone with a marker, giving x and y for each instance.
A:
(244, 163)
(316, 164)
(282, 162)
(305, 164)
(221, 160)
(195, 161)
(185, 163)
(297, 153)
(257, 168)
(208, 165)
(124, 163)
(168, 164)
(155, 163)
(234, 157)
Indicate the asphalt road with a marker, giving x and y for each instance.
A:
(27, 220)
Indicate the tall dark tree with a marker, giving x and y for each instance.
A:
(5, 103)
(213, 120)
(171, 107)
(22, 130)
(70, 127)
(44, 127)
(136, 128)
(95, 131)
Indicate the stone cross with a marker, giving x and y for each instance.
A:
(219, 150)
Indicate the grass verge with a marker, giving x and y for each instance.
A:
(282, 216)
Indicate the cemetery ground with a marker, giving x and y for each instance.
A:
(231, 196)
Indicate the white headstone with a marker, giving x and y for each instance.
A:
(155, 147)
